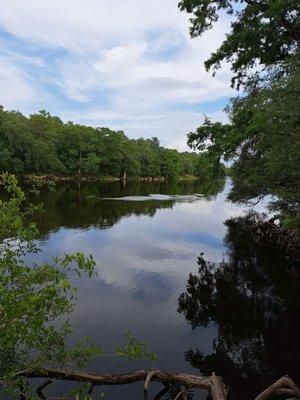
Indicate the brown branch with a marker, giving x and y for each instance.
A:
(168, 378)
(212, 384)
(282, 383)
(218, 390)
(39, 390)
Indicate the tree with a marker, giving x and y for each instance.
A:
(209, 167)
(263, 135)
(263, 32)
(170, 167)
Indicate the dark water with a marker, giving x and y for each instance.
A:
(145, 248)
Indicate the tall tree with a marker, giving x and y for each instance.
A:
(263, 135)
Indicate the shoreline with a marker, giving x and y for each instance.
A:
(31, 178)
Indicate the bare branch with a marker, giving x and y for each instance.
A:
(181, 394)
(218, 390)
(168, 378)
(147, 382)
(282, 383)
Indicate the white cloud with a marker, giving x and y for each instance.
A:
(15, 89)
(130, 62)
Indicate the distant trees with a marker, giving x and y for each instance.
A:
(42, 143)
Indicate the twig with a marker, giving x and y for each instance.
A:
(182, 394)
(147, 382)
(91, 388)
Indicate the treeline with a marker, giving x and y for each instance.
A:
(42, 143)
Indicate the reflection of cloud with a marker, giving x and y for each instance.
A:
(157, 253)
(152, 288)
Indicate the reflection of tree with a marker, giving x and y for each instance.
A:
(74, 205)
(254, 297)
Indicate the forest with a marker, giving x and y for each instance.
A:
(43, 144)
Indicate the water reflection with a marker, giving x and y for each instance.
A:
(85, 205)
(144, 252)
(254, 297)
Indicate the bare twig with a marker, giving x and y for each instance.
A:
(147, 382)
(91, 388)
(181, 394)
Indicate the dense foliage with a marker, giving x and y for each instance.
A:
(44, 144)
(262, 138)
(263, 32)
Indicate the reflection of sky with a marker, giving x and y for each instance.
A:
(143, 264)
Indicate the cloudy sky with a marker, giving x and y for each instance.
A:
(125, 64)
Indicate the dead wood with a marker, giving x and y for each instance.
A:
(283, 383)
(213, 384)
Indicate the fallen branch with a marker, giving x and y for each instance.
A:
(212, 384)
(167, 378)
(283, 383)
(147, 381)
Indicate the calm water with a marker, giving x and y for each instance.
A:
(146, 238)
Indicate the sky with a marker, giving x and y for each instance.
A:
(124, 64)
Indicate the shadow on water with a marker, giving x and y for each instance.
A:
(254, 297)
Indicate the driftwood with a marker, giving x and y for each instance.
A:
(212, 384)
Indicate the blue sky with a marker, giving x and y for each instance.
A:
(125, 64)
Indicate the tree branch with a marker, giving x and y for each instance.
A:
(282, 383)
(147, 381)
(167, 378)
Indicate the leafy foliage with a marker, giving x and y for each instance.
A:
(134, 350)
(262, 139)
(263, 32)
(44, 144)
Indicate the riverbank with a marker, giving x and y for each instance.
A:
(31, 178)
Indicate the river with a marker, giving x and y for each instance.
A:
(146, 238)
